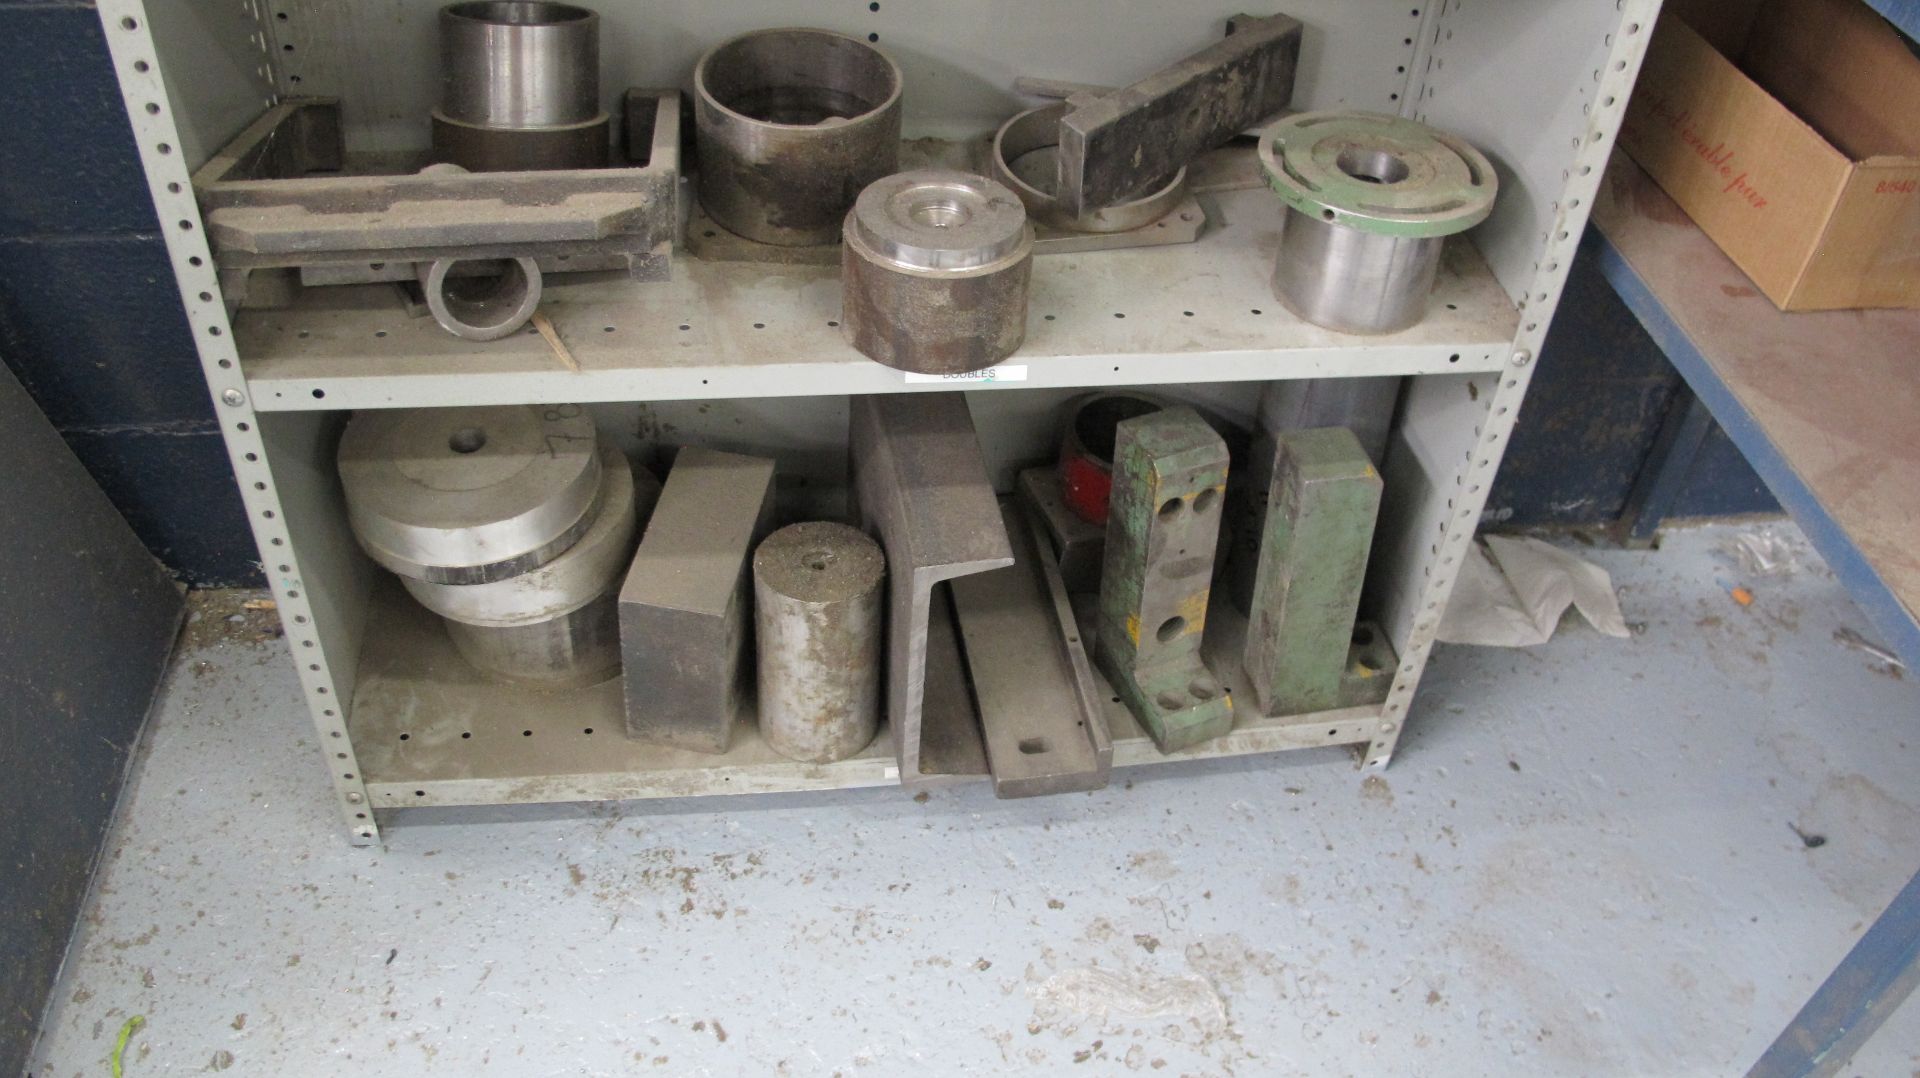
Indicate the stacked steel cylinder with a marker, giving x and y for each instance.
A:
(512, 523)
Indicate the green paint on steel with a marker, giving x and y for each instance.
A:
(1377, 173)
(1321, 508)
(1169, 480)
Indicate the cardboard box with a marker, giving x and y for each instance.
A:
(1789, 130)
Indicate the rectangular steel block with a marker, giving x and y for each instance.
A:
(686, 611)
(1169, 485)
(1321, 507)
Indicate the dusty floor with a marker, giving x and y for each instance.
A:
(1595, 857)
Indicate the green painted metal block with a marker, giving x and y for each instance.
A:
(1321, 506)
(1169, 482)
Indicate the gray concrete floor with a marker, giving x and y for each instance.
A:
(1587, 859)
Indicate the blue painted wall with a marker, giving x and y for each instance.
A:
(89, 319)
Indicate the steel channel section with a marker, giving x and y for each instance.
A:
(1039, 710)
(1169, 487)
(1118, 143)
(1321, 507)
(920, 483)
(817, 590)
(1422, 598)
(157, 133)
(686, 615)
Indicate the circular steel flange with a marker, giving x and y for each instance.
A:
(482, 306)
(1377, 173)
(935, 266)
(790, 125)
(469, 495)
(577, 577)
(1023, 158)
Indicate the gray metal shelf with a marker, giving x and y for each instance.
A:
(1542, 96)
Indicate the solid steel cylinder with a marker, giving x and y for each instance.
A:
(816, 608)
(790, 125)
(481, 299)
(469, 495)
(1024, 158)
(588, 568)
(578, 648)
(1358, 282)
(935, 267)
(520, 86)
(1370, 199)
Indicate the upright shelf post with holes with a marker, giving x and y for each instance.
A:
(750, 357)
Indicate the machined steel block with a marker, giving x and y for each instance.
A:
(921, 483)
(816, 611)
(1321, 508)
(685, 617)
(1169, 484)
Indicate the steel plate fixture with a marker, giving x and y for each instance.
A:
(790, 126)
(816, 609)
(469, 495)
(1117, 144)
(1169, 480)
(1371, 199)
(520, 87)
(935, 267)
(1025, 159)
(1039, 708)
(921, 483)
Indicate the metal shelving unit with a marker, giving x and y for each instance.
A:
(1540, 87)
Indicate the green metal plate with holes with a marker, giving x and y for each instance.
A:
(1377, 173)
(1169, 476)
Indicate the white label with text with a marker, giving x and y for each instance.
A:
(1013, 372)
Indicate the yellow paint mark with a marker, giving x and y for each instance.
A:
(1133, 629)
(1742, 596)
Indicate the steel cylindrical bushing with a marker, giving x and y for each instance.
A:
(1024, 158)
(520, 86)
(1370, 201)
(594, 563)
(790, 125)
(469, 495)
(481, 299)
(816, 601)
(934, 272)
